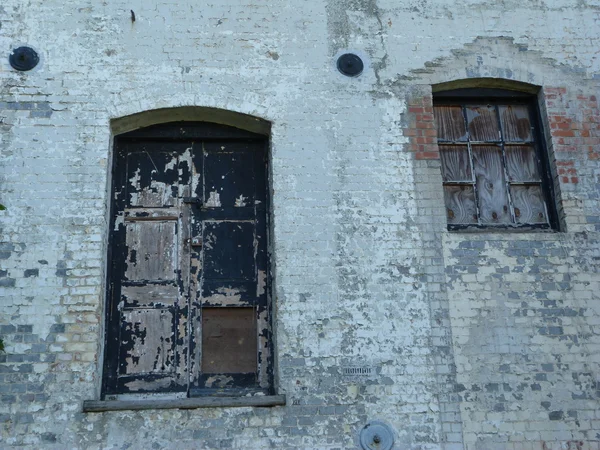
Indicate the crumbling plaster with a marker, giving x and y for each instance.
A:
(477, 341)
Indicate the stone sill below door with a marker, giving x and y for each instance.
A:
(91, 406)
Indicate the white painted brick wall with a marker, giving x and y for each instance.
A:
(482, 341)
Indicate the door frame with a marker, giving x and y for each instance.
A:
(177, 131)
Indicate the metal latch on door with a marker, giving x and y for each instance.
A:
(195, 241)
(195, 201)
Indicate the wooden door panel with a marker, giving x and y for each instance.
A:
(148, 344)
(232, 314)
(228, 340)
(151, 251)
(147, 348)
(229, 250)
(153, 335)
(150, 174)
(228, 175)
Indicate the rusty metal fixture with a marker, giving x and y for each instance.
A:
(350, 65)
(376, 435)
(23, 59)
(194, 201)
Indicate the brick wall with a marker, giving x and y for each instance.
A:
(573, 118)
(520, 311)
(420, 125)
(518, 306)
(479, 341)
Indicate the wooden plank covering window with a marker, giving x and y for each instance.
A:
(450, 123)
(516, 124)
(494, 170)
(482, 123)
(490, 183)
(460, 204)
(455, 163)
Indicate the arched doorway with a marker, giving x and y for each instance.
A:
(187, 295)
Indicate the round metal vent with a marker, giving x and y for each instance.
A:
(350, 64)
(376, 435)
(23, 58)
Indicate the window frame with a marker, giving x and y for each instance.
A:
(465, 97)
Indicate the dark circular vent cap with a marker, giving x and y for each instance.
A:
(350, 64)
(23, 58)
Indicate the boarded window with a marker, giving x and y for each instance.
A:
(494, 169)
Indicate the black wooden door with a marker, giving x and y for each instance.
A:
(228, 237)
(187, 290)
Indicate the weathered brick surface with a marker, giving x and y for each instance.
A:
(420, 125)
(481, 341)
(521, 314)
(574, 121)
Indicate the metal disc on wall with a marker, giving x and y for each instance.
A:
(350, 64)
(23, 59)
(376, 435)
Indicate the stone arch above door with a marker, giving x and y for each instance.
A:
(219, 116)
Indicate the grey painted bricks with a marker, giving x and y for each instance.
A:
(477, 340)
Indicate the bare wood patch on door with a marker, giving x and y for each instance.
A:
(147, 336)
(228, 340)
(150, 177)
(157, 295)
(152, 250)
(226, 296)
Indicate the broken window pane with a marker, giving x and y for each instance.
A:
(450, 123)
(491, 189)
(483, 123)
(455, 163)
(516, 125)
(229, 340)
(521, 163)
(460, 204)
(529, 204)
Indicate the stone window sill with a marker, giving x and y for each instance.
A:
(90, 406)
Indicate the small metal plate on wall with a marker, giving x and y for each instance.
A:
(359, 373)
(376, 435)
(350, 64)
(23, 59)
